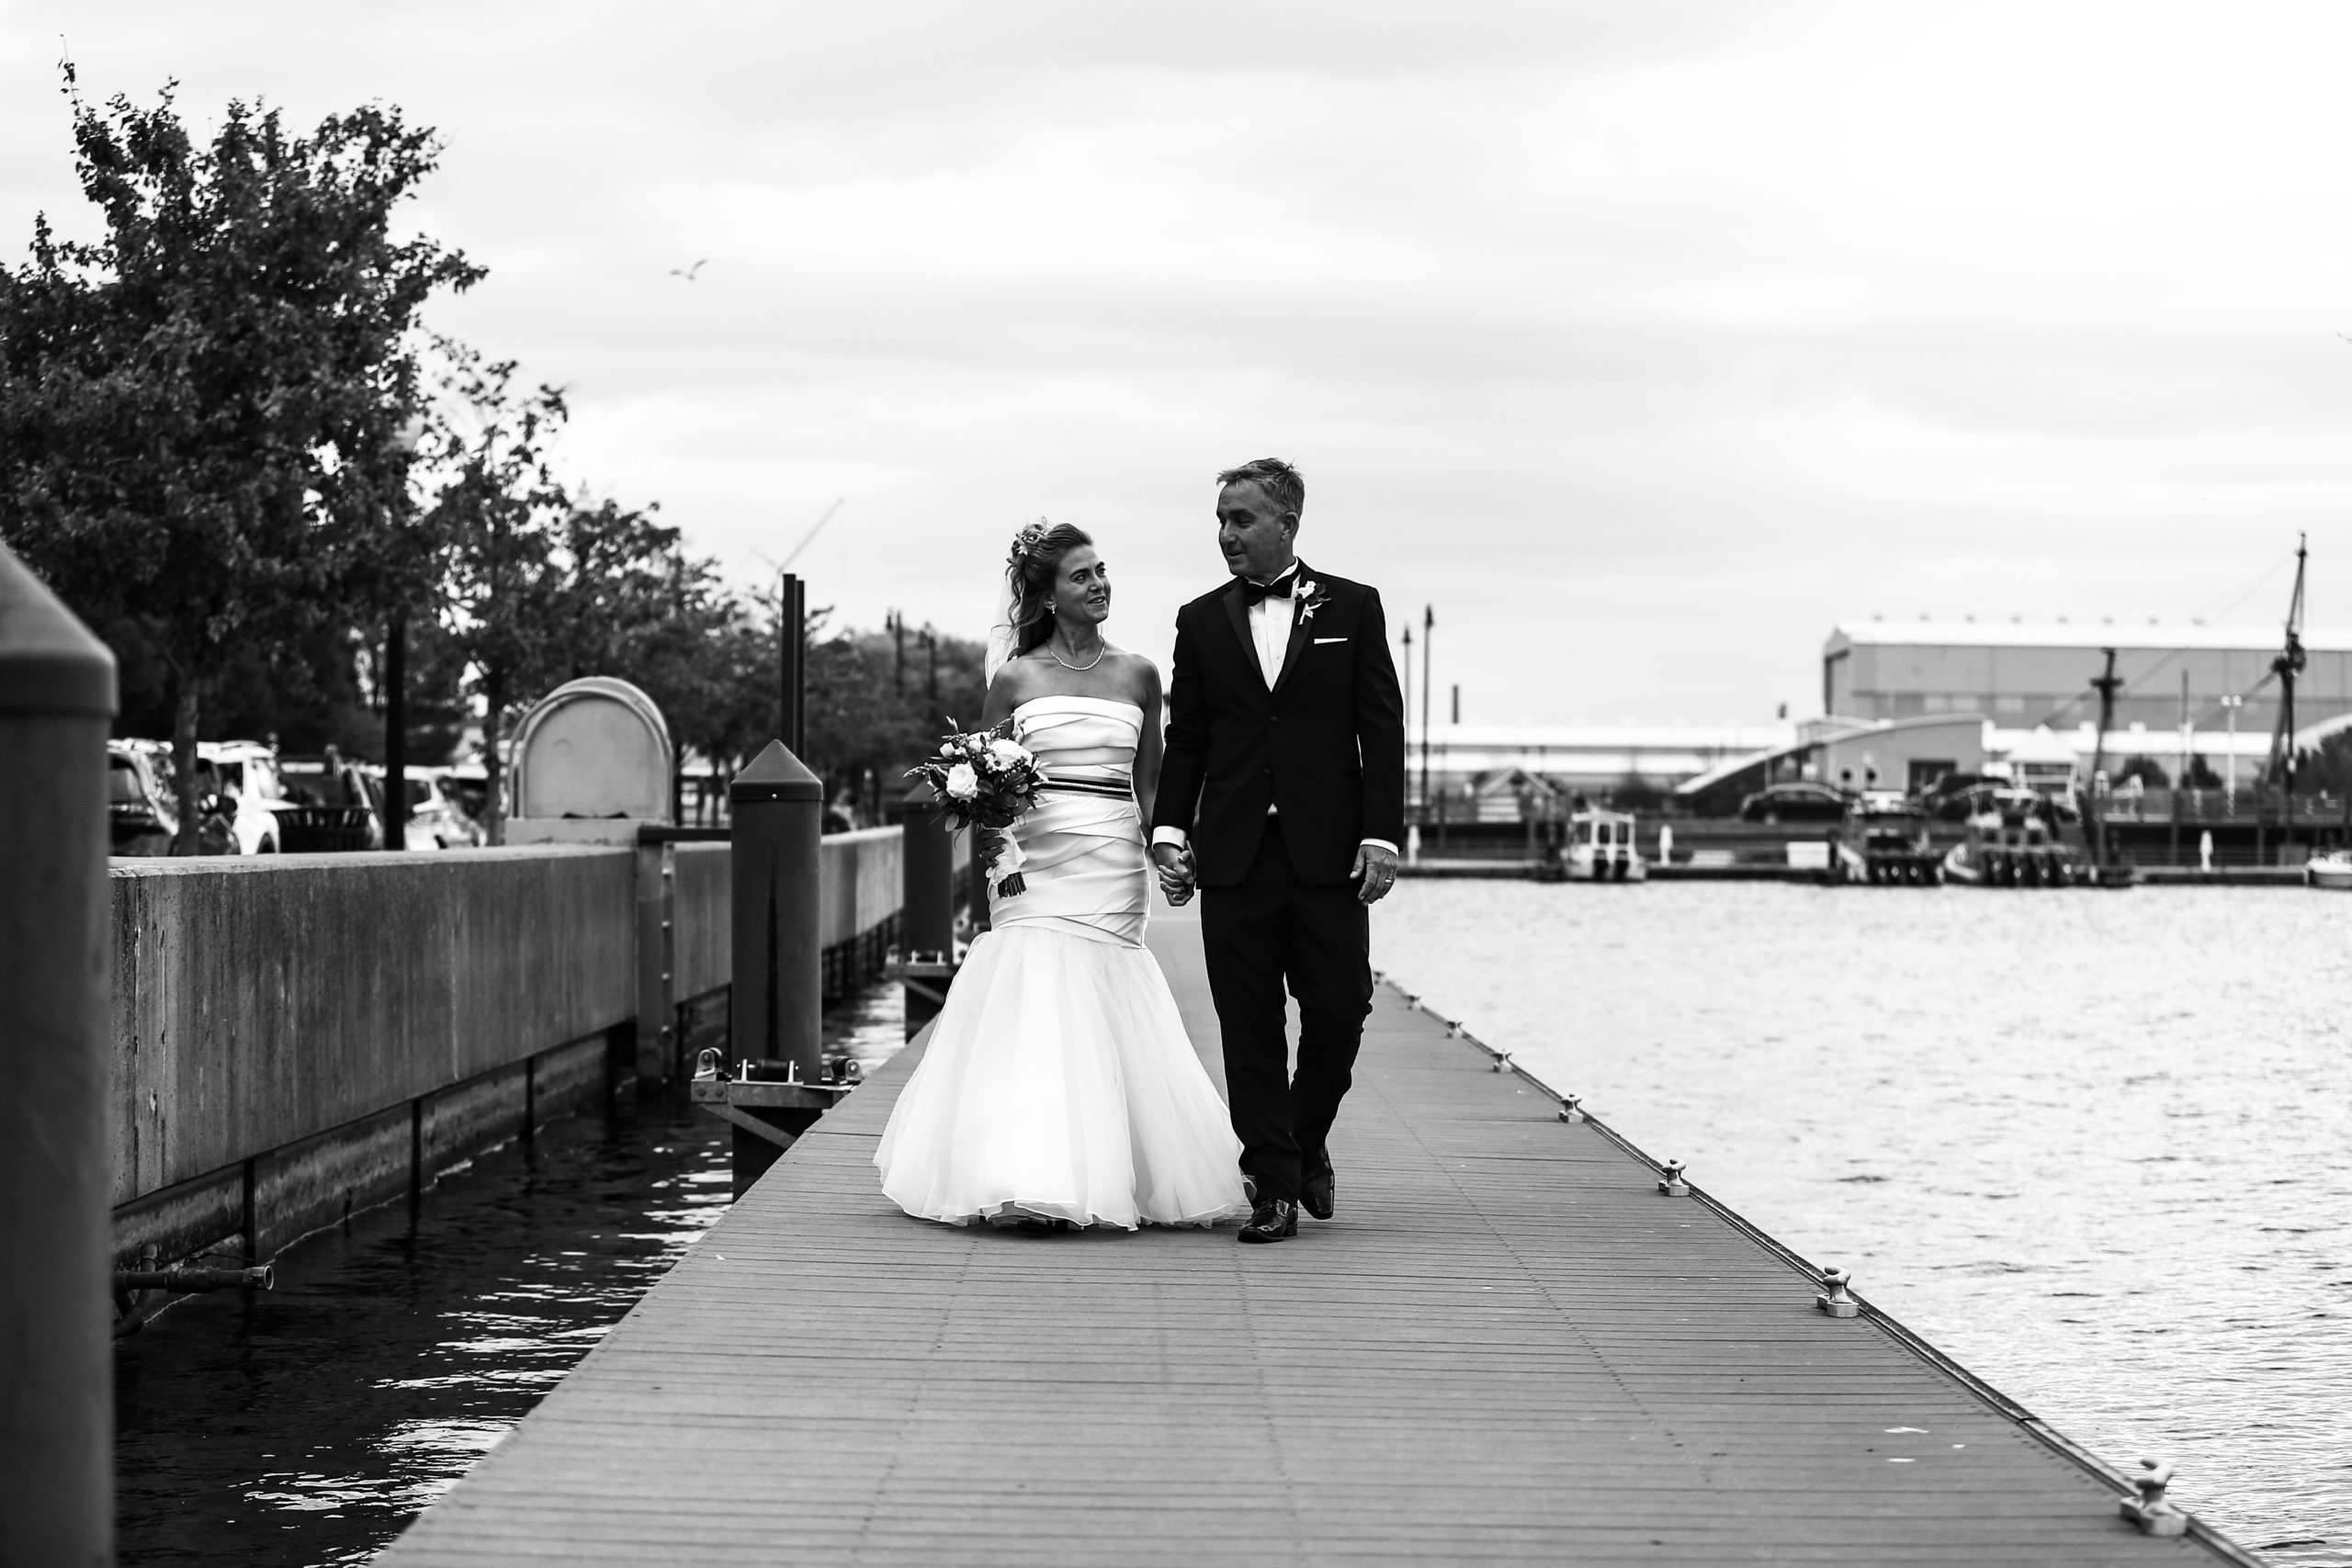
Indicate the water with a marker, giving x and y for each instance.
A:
(307, 1425)
(2092, 1145)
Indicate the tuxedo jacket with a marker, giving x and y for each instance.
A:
(1325, 746)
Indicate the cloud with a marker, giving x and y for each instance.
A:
(1643, 340)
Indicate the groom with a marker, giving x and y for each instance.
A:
(1282, 795)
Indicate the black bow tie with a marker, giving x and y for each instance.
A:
(1254, 592)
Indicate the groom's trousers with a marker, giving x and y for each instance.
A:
(1267, 929)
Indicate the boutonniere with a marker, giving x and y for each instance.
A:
(1312, 596)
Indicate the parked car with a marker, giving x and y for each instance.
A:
(331, 804)
(242, 777)
(1794, 802)
(139, 812)
(437, 818)
(468, 784)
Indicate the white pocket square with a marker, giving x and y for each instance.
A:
(1321, 640)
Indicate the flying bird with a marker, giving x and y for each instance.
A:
(688, 271)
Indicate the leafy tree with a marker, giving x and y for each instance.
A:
(195, 408)
(632, 604)
(1635, 793)
(2327, 767)
(732, 712)
(2147, 770)
(494, 520)
(872, 717)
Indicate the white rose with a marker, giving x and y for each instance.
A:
(961, 783)
(1009, 753)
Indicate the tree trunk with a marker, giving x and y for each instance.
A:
(184, 719)
(396, 731)
(494, 802)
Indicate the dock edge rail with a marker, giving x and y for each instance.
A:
(1894, 1329)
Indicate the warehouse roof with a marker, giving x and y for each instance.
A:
(2120, 634)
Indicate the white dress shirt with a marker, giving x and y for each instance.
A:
(1270, 623)
(1270, 627)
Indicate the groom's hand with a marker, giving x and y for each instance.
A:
(1375, 873)
(1174, 864)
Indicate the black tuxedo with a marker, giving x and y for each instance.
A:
(1325, 746)
(1325, 749)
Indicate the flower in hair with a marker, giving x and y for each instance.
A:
(1026, 542)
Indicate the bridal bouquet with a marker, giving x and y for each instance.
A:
(984, 778)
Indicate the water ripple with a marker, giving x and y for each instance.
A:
(2092, 1145)
(307, 1426)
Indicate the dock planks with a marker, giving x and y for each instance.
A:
(1508, 1347)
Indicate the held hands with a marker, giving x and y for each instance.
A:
(1179, 877)
(1374, 872)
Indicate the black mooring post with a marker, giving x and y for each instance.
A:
(792, 659)
(57, 697)
(776, 1023)
(927, 909)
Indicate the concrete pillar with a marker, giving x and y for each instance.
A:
(57, 695)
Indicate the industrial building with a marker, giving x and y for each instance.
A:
(1907, 702)
(2024, 675)
(1482, 771)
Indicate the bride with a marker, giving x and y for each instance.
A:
(1059, 1088)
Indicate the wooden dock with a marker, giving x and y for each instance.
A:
(1509, 1347)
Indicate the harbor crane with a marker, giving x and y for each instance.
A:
(2286, 668)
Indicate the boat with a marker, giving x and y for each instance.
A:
(1884, 839)
(2015, 839)
(2332, 869)
(1601, 848)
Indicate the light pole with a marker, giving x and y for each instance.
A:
(2230, 779)
(1428, 628)
(1408, 699)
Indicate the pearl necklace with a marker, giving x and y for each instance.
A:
(1068, 665)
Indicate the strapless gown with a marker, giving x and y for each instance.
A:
(1059, 1082)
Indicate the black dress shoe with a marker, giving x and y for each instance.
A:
(1277, 1219)
(1316, 1192)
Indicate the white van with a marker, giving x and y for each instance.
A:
(244, 774)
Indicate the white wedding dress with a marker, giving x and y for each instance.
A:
(1059, 1083)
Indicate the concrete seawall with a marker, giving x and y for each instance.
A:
(298, 1036)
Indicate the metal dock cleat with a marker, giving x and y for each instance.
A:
(1670, 1181)
(2147, 1507)
(1833, 1299)
(1571, 1107)
(767, 1101)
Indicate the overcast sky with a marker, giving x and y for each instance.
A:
(1643, 340)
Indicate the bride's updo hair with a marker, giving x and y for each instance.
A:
(1035, 563)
